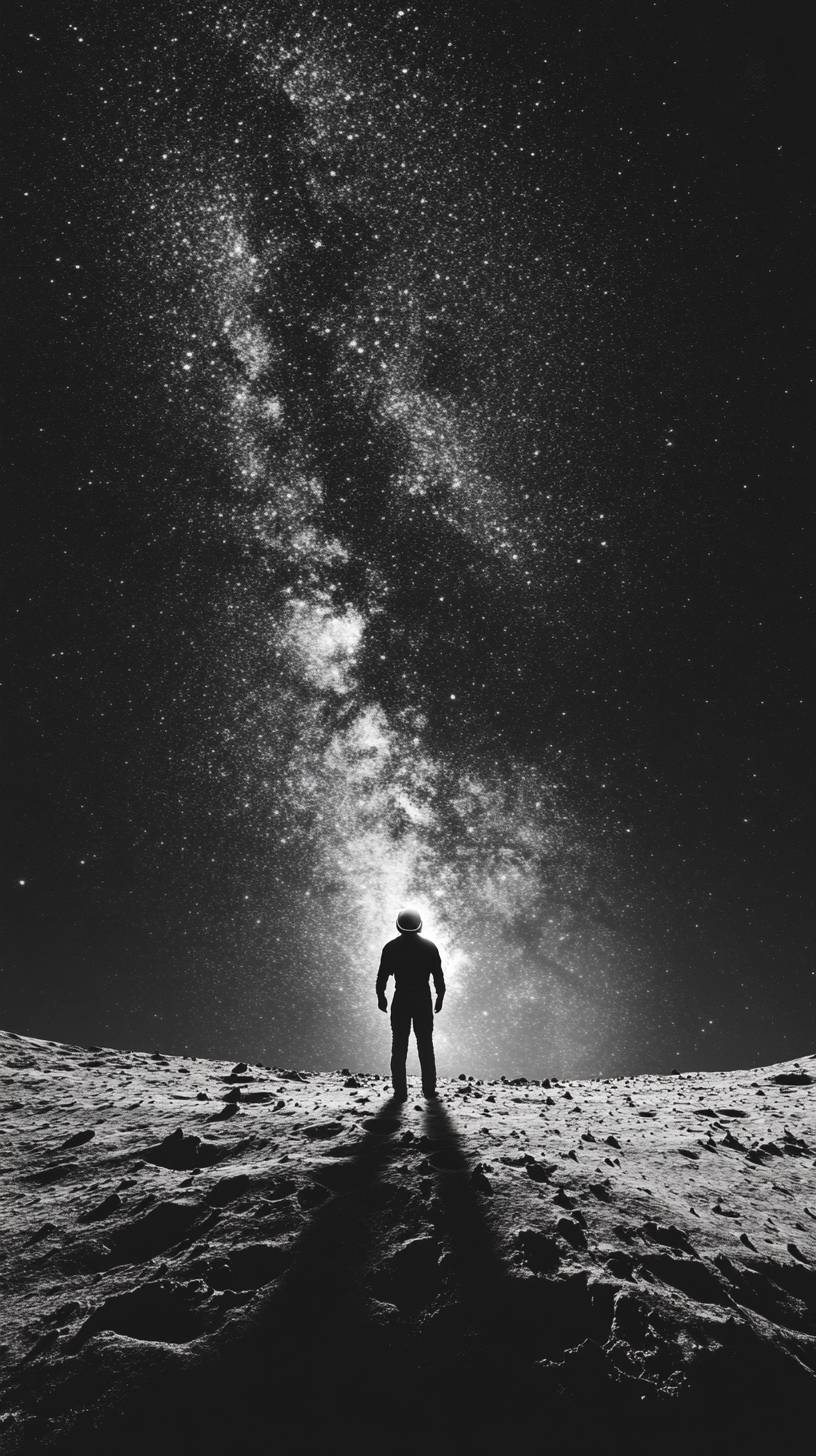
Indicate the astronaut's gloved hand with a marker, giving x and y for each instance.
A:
(382, 1003)
(438, 1003)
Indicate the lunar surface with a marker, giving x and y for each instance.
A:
(203, 1256)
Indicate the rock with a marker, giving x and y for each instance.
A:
(793, 1079)
(572, 1232)
(539, 1250)
(54, 1173)
(78, 1139)
(563, 1199)
(43, 1232)
(728, 1268)
(239, 1069)
(796, 1252)
(540, 1172)
(668, 1234)
(108, 1206)
(234, 1095)
(226, 1189)
(601, 1191)
(229, 1109)
(587, 1137)
(690, 1275)
(612, 1141)
(352, 1082)
(181, 1152)
(480, 1180)
(202, 1096)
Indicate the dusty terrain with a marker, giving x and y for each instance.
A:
(203, 1256)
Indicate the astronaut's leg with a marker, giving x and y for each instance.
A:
(423, 1030)
(400, 1031)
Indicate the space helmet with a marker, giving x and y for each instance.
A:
(409, 921)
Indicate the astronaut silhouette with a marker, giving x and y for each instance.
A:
(411, 959)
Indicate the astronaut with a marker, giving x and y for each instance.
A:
(411, 959)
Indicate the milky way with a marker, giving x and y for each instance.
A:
(354, 252)
(397, 340)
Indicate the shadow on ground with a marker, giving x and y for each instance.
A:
(397, 1326)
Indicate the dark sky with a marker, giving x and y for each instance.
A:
(408, 502)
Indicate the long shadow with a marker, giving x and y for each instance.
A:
(316, 1347)
(486, 1334)
(477, 1273)
(328, 1356)
(505, 1305)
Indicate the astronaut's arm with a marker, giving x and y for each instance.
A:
(382, 981)
(439, 984)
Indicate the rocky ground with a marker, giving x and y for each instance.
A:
(202, 1256)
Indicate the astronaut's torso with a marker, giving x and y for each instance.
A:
(411, 959)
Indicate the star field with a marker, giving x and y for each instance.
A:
(404, 482)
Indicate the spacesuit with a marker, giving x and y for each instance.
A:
(412, 960)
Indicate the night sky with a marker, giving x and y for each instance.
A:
(408, 502)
